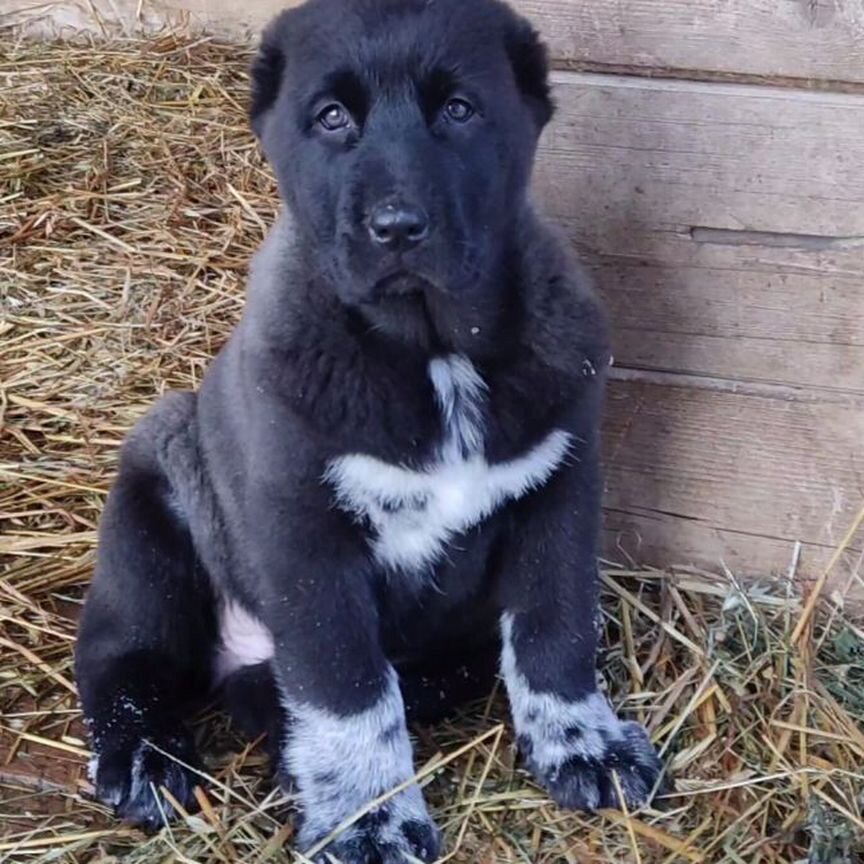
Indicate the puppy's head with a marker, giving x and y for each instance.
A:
(402, 134)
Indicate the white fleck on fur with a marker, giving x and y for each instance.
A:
(416, 513)
(544, 719)
(127, 705)
(244, 640)
(341, 763)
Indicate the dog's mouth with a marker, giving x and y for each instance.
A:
(402, 283)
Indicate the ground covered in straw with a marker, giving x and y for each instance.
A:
(131, 197)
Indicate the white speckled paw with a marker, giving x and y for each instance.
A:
(392, 834)
(583, 778)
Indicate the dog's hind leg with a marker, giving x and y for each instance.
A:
(251, 697)
(147, 633)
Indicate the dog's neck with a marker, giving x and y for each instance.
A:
(298, 342)
(479, 324)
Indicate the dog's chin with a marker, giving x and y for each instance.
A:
(402, 283)
(416, 306)
(398, 307)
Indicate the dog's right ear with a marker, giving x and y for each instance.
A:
(530, 62)
(267, 72)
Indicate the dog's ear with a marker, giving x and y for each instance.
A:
(530, 63)
(267, 71)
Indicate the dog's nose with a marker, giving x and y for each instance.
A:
(398, 223)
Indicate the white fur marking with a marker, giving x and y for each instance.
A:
(416, 513)
(341, 763)
(460, 393)
(544, 719)
(244, 640)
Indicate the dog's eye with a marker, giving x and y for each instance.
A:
(334, 117)
(459, 110)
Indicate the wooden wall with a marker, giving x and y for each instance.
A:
(727, 223)
(708, 157)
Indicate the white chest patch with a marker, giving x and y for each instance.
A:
(415, 513)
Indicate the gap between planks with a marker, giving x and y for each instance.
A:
(740, 387)
(786, 83)
(677, 85)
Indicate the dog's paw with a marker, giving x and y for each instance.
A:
(392, 834)
(584, 780)
(129, 777)
(575, 748)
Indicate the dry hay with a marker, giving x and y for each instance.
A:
(132, 196)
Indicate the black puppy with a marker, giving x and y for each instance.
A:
(390, 472)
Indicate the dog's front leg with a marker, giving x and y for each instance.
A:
(566, 729)
(346, 742)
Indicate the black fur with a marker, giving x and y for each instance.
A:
(528, 57)
(220, 494)
(267, 73)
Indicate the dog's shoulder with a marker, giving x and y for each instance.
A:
(565, 320)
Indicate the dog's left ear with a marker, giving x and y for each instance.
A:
(530, 63)
(267, 72)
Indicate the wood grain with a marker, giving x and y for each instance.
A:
(773, 328)
(726, 224)
(687, 154)
(741, 477)
(802, 39)
(103, 17)
(634, 539)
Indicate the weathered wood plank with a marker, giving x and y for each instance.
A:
(691, 155)
(727, 223)
(797, 39)
(750, 474)
(803, 39)
(661, 540)
(102, 17)
(783, 306)
(774, 327)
